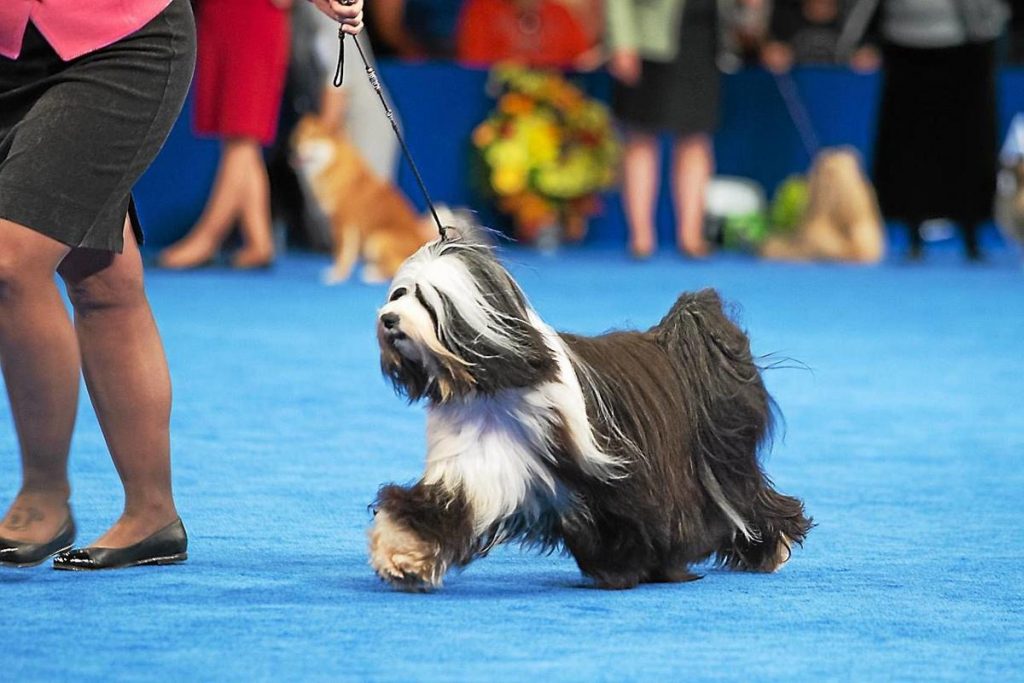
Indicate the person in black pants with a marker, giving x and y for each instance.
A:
(937, 142)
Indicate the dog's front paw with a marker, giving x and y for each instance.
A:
(335, 275)
(372, 275)
(402, 558)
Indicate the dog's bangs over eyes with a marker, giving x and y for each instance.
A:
(475, 304)
(478, 313)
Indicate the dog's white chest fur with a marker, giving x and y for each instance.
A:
(492, 449)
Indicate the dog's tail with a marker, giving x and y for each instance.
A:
(731, 418)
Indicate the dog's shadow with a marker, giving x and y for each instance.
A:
(505, 586)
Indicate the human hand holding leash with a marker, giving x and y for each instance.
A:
(349, 13)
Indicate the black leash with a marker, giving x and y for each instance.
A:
(339, 77)
(798, 113)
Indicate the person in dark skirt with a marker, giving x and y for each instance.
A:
(664, 57)
(88, 94)
(935, 154)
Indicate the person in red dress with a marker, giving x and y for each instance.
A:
(240, 70)
(538, 33)
(243, 50)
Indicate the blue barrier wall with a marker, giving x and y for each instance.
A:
(440, 104)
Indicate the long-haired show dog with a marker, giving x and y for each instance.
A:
(635, 451)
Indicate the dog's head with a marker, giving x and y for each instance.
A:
(457, 325)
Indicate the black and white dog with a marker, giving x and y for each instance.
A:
(635, 451)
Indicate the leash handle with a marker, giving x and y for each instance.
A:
(339, 71)
(371, 74)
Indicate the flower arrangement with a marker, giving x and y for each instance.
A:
(547, 151)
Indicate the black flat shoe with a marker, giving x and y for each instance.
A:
(167, 546)
(18, 554)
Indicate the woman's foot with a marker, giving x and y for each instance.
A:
(168, 545)
(642, 243)
(641, 252)
(189, 252)
(252, 258)
(133, 528)
(35, 517)
(695, 248)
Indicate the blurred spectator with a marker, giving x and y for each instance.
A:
(240, 72)
(590, 15)
(746, 29)
(935, 153)
(1015, 35)
(539, 33)
(243, 54)
(413, 29)
(664, 59)
(811, 32)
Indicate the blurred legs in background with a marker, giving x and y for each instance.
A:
(241, 192)
(238, 86)
(640, 191)
(692, 165)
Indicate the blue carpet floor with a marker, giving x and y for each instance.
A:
(905, 438)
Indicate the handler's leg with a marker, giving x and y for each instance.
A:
(39, 357)
(130, 387)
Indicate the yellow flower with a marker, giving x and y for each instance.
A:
(540, 138)
(509, 179)
(505, 152)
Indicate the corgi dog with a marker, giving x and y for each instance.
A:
(371, 220)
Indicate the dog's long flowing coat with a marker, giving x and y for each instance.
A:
(636, 451)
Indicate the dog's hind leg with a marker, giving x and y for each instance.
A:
(612, 552)
(776, 523)
(673, 569)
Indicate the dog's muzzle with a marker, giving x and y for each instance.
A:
(389, 327)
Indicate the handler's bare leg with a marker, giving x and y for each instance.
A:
(128, 381)
(39, 358)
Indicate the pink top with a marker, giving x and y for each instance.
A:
(74, 27)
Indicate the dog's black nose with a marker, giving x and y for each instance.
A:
(389, 320)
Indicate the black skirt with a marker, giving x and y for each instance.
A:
(681, 96)
(935, 155)
(75, 136)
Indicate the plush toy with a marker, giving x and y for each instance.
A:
(841, 220)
